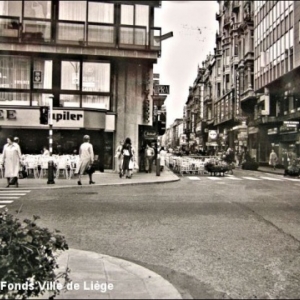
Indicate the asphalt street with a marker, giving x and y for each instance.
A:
(224, 237)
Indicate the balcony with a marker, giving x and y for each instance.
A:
(207, 98)
(235, 27)
(248, 95)
(235, 60)
(227, 21)
(249, 18)
(226, 40)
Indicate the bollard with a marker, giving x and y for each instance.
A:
(50, 172)
(158, 166)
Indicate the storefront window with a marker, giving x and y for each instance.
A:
(42, 74)
(69, 100)
(99, 102)
(14, 72)
(7, 98)
(70, 72)
(40, 99)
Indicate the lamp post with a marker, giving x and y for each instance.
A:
(50, 162)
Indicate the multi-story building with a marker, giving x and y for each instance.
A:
(277, 62)
(94, 57)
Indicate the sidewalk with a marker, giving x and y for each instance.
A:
(268, 169)
(99, 276)
(106, 178)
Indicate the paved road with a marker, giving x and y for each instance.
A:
(215, 238)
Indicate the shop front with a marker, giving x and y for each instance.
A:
(69, 127)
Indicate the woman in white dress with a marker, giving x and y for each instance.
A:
(119, 158)
(86, 158)
(162, 155)
(11, 160)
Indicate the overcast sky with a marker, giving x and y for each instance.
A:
(194, 29)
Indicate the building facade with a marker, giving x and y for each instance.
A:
(94, 57)
(277, 62)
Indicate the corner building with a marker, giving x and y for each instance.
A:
(95, 57)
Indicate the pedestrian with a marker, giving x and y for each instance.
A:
(127, 152)
(45, 151)
(162, 155)
(285, 161)
(86, 159)
(273, 159)
(11, 161)
(149, 156)
(119, 158)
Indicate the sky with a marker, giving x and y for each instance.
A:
(194, 28)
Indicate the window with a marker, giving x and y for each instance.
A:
(96, 77)
(132, 16)
(15, 72)
(11, 8)
(93, 82)
(37, 9)
(72, 16)
(103, 13)
(72, 10)
(70, 72)
(42, 74)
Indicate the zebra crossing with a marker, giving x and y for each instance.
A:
(242, 178)
(7, 196)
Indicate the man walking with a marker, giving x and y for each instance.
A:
(149, 155)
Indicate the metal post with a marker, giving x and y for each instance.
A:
(50, 162)
(157, 154)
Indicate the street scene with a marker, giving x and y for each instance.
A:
(149, 150)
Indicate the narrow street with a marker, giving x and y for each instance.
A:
(224, 237)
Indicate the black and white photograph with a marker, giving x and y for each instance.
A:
(149, 149)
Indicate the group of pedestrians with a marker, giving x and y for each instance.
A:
(125, 159)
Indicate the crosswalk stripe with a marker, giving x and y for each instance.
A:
(14, 190)
(270, 178)
(251, 178)
(292, 179)
(214, 178)
(12, 194)
(194, 178)
(8, 197)
(234, 178)
(6, 202)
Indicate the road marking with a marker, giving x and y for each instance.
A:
(5, 202)
(234, 178)
(1, 206)
(251, 178)
(270, 178)
(194, 178)
(214, 178)
(8, 197)
(12, 194)
(14, 190)
(292, 179)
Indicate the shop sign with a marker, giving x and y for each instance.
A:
(212, 135)
(272, 131)
(37, 76)
(242, 136)
(291, 123)
(31, 118)
(150, 134)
